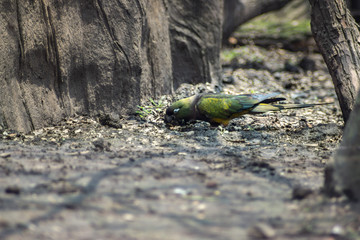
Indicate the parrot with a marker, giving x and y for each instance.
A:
(219, 109)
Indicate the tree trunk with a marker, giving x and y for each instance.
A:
(195, 38)
(347, 158)
(337, 37)
(60, 58)
(237, 12)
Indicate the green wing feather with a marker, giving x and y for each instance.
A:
(229, 106)
(216, 106)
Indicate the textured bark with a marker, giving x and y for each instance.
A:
(194, 46)
(347, 157)
(60, 58)
(338, 39)
(237, 12)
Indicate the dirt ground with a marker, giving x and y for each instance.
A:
(133, 177)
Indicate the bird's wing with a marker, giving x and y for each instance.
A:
(214, 106)
(229, 106)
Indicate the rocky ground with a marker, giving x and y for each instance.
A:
(133, 177)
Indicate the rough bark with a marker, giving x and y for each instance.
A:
(338, 39)
(60, 58)
(347, 157)
(237, 12)
(194, 46)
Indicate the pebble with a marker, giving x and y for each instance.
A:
(261, 231)
(337, 230)
(211, 184)
(180, 191)
(301, 192)
(5, 155)
(12, 190)
(128, 217)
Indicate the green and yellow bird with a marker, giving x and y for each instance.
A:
(221, 108)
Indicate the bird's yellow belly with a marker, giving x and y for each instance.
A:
(225, 122)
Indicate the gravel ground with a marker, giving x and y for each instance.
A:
(132, 177)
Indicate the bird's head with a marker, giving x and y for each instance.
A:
(180, 111)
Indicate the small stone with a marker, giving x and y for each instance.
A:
(228, 80)
(38, 132)
(301, 192)
(290, 85)
(180, 191)
(101, 145)
(128, 217)
(277, 75)
(201, 207)
(261, 231)
(232, 40)
(337, 230)
(12, 190)
(78, 131)
(5, 155)
(211, 184)
(217, 193)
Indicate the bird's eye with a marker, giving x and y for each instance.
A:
(176, 110)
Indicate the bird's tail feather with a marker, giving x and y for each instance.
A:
(263, 97)
(263, 107)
